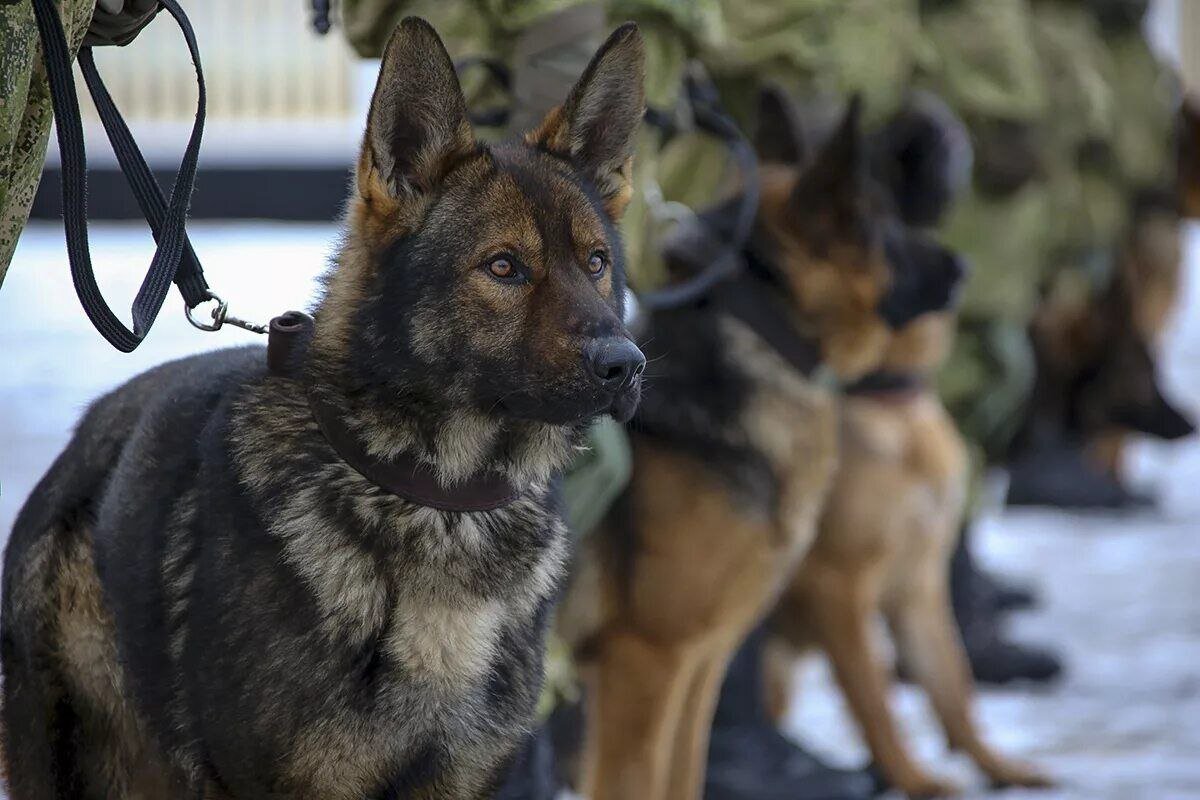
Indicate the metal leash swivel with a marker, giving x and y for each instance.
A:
(221, 317)
(174, 259)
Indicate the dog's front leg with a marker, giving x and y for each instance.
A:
(637, 695)
(690, 760)
(841, 605)
(928, 641)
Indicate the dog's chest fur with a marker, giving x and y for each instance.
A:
(421, 589)
(901, 495)
(434, 601)
(792, 422)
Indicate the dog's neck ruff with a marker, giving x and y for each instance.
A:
(757, 304)
(401, 475)
(751, 291)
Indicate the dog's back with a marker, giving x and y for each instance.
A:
(59, 654)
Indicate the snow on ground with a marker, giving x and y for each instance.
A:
(1119, 592)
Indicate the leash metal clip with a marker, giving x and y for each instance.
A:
(221, 317)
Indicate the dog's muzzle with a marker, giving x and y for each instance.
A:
(613, 362)
(615, 365)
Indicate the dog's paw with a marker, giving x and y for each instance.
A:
(1017, 773)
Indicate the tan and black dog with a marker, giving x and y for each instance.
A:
(884, 543)
(1097, 368)
(1133, 315)
(734, 447)
(203, 598)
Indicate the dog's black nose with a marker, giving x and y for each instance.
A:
(613, 361)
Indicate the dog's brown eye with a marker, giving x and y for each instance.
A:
(596, 263)
(502, 267)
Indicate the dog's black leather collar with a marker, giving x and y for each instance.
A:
(885, 383)
(402, 475)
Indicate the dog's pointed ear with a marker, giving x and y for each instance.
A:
(596, 127)
(835, 184)
(837, 176)
(417, 127)
(779, 136)
(1167, 422)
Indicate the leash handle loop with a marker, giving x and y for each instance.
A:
(726, 261)
(174, 259)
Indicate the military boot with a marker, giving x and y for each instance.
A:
(749, 759)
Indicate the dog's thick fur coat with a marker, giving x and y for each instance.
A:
(201, 599)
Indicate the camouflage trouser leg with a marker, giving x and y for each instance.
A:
(25, 111)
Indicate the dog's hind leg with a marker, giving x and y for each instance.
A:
(841, 606)
(928, 641)
(51, 598)
(636, 698)
(40, 724)
(40, 727)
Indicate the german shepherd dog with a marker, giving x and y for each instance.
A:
(203, 599)
(734, 447)
(1097, 373)
(1135, 313)
(884, 544)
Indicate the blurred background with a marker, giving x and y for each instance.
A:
(1117, 582)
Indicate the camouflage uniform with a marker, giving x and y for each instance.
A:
(985, 67)
(1111, 135)
(833, 48)
(25, 111)
(1089, 110)
(1087, 203)
(25, 108)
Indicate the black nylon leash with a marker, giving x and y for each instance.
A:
(174, 259)
(726, 260)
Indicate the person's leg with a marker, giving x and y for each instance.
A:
(997, 592)
(994, 658)
(750, 759)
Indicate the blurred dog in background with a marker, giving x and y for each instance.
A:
(883, 546)
(896, 506)
(735, 445)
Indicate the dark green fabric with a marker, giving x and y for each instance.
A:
(597, 475)
(122, 24)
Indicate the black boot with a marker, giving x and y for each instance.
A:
(994, 658)
(995, 592)
(1060, 476)
(749, 759)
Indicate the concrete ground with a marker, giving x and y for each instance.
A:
(1119, 592)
